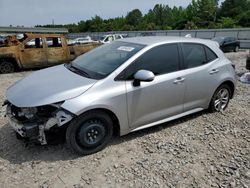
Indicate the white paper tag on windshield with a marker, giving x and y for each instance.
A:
(126, 48)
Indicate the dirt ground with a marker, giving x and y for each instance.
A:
(201, 150)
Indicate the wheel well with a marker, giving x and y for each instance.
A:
(116, 124)
(231, 86)
(9, 59)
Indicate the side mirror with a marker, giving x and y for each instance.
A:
(143, 76)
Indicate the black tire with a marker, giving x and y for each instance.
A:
(236, 49)
(7, 67)
(214, 106)
(90, 132)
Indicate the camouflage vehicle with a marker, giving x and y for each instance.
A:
(38, 51)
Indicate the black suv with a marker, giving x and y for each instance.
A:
(248, 62)
(228, 43)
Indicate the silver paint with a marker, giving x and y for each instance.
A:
(48, 86)
(167, 97)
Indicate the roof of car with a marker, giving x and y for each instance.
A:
(150, 40)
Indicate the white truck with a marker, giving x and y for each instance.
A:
(109, 38)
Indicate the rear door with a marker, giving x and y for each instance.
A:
(161, 98)
(201, 73)
(57, 51)
(228, 44)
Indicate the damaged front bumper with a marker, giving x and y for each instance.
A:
(32, 124)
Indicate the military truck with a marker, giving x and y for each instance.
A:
(38, 51)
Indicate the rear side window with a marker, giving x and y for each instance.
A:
(194, 55)
(160, 60)
(53, 42)
(117, 37)
(210, 54)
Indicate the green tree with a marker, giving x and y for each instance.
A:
(190, 25)
(233, 8)
(161, 15)
(134, 17)
(202, 12)
(198, 14)
(178, 18)
(96, 24)
(82, 26)
(226, 22)
(244, 19)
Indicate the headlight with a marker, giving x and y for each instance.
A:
(27, 112)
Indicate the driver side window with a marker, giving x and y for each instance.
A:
(162, 59)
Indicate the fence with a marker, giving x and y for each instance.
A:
(242, 34)
(32, 30)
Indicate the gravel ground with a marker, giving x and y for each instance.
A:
(201, 150)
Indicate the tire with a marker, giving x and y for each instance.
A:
(236, 49)
(7, 67)
(248, 63)
(220, 99)
(90, 132)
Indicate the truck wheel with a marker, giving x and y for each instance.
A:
(90, 132)
(6, 67)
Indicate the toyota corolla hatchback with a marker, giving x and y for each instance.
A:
(124, 86)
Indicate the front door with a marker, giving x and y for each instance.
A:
(161, 98)
(33, 53)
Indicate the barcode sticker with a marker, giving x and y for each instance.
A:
(126, 48)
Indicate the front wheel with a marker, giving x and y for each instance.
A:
(7, 67)
(220, 99)
(90, 132)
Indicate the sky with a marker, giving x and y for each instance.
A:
(40, 12)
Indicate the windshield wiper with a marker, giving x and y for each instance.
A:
(77, 70)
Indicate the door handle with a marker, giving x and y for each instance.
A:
(179, 80)
(214, 71)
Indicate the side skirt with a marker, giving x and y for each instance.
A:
(168, 119)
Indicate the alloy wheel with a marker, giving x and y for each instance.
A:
(221, 100)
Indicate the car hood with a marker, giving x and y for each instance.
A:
(48, 86)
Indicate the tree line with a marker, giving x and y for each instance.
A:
(199, 14)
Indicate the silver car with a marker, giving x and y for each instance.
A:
(124, 86)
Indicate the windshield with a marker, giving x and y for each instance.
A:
(100, 62)
(218, 39)
(103, 37)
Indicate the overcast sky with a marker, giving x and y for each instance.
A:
(33, 12)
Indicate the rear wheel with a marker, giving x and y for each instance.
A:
(90, 132)
(6, 67)
(220, 99)
(236, 49)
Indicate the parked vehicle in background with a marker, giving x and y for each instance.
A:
(248, 62)
(228, 43)
(38, 50)
(80, 40)
(1, 40)
(146, 34)
(109, 38)
(121, 87)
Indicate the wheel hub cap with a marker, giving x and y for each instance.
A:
(221, 99)
(91, 133)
